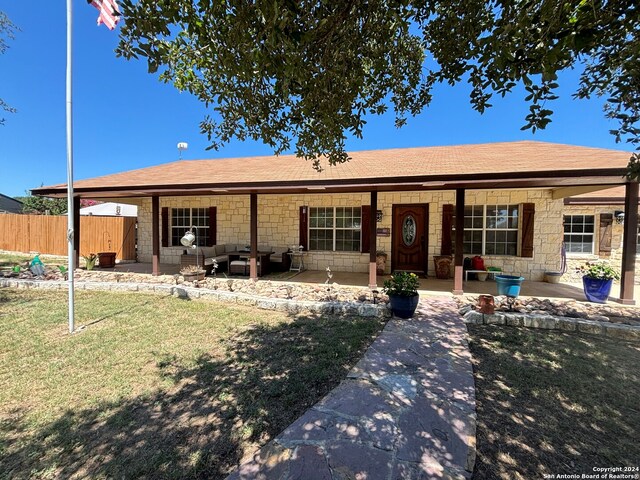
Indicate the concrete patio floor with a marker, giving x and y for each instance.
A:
(428, 286)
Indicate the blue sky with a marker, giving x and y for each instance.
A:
(124, 118)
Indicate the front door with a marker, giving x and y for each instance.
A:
(409, 237)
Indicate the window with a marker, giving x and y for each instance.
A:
(578, 233)
(490, 229)
(335, 228)
(183, 218)
(501, 229)
(473, 227)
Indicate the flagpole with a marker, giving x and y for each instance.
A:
(70, 207)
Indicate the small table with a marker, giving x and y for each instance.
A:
(263, 257)
(299, 258)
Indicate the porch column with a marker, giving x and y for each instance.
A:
(253, 226)
(373, 281)
(76, 231)
(155, 233)
(458, 258)
(629, 242)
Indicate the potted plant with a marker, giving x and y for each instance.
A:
(597, 279)
(90, 260)
(192, 273)
(402, 289)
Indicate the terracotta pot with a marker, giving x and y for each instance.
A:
(107, 259)
(192, 277)
(443, 266)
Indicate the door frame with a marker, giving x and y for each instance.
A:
(394, 253)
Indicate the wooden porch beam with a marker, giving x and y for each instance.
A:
(629, 242)
(373, 280)
(459, 242)
(155, 234)
(253, 227)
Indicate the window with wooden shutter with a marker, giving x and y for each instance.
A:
(446, 247)
(606, 227)
(165, 226)
(304, 228)
(528, 214)
(213, 226)
(579, 233)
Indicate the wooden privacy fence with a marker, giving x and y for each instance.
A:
(48, 234)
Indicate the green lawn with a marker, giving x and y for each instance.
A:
(9, 260)
(156, 387)
(551, 402)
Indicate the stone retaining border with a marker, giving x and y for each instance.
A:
(552, 322)
(191, 293)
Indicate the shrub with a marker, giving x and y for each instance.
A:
(402, 284)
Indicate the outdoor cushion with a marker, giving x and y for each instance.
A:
(279, 250)
(208, 251)
(229, 247)
(220, 249)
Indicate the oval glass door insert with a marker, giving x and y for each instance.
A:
(409, 230)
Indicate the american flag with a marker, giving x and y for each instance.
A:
(109, 12)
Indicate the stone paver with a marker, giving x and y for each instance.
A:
(405, 411)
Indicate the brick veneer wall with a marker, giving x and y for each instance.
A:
(278, 219)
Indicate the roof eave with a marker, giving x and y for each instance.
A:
(557, 178)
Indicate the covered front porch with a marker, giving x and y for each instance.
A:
(414, 204)
(428, 286)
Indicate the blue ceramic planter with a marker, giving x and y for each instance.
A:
(596, 289)
(404, 307)
(509, 285)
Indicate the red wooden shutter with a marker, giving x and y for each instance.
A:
(528, 213)
(365, 230)
(606, 226)
(213, 227)
(446, 247)
(165, 226)
(304, 227)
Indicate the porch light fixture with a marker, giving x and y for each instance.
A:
(189, 238)
(378, 216)
(219, 190)
(619, 216)
(433, 184)
(316, 188)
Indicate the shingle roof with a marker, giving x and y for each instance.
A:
(496, 159)
(11, 205)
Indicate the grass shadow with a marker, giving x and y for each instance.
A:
(216, 409)
(552, 403)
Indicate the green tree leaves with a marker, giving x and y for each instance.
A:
(300, 74)
(7, 31)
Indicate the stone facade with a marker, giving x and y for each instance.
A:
(575, 260)
(278, 225)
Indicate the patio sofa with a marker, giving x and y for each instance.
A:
(279, 260)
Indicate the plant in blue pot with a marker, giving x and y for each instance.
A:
(402, 289)
(597, 279)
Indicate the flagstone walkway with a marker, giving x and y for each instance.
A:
(405, 411)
